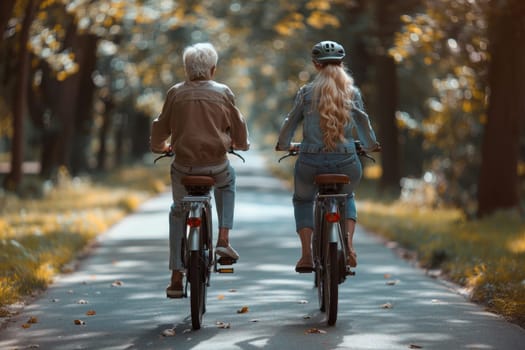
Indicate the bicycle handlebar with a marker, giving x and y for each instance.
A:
(294, 150)
(170, 153)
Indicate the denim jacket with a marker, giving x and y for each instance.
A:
(312, 142)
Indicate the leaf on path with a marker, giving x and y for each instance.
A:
(117, 283)
(79, 322)
(91, 313)
(32, 319)
(170, 332)
(314, 331)
(82, 301)
(26, 325)
(392, 282)
(55, 300)
(387, 276)
(307, 317)
(220, 297)
(303, 301)
(387, 306)
(223, 325)
(414, 346)
(254, 320)
(232, 290)
(243, 310)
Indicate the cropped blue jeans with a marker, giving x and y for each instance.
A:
(307, 166)
(223, 193)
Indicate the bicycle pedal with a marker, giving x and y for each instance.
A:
(225, 270)
(224, 260)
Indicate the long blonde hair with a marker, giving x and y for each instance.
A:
(333, 92)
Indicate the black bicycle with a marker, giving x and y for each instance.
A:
(329, 242)
(198, 255)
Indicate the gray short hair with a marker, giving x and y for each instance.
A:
(198, 60)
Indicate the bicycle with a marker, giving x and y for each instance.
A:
(198, 256)
(329, 242)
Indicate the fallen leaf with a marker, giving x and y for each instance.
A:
(303, 301)
(26, 325)
(220, 297)
(222, 325)
(243, 310)
(55, 300)
(32, 319)
(79, 322)
(387, 306)
(254, 320)
(117, 283)
(414, 346)
(170, 332)
(232, 290)
(307, 317)
(392, 282)
(314, 331)
(91, 313)
(387, 275)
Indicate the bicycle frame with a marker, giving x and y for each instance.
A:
(194, 205)
(331, 205)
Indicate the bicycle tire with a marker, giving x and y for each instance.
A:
(197, 288)
(331, 283)
(319, 256)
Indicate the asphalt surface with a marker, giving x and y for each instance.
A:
(117, 294)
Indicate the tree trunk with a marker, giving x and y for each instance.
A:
(84, 107)
(13, 179)
(498, 186)
(6, 8)
(386, 107)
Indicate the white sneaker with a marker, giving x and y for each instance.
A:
(227, 252)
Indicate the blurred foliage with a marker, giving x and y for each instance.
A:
(448, 44)
(440, 47)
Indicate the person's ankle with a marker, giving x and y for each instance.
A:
(221, 242)
(176, 278)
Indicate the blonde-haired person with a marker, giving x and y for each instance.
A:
(202, 123)
(331, 111)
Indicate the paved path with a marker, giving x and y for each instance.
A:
(123, 282)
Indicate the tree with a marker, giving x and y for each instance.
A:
(387, 22)
(13, 179)
(498, 181)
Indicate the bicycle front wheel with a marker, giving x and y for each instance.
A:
(331, 283)
(197, 288)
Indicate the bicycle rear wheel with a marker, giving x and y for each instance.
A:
(197, 288)
(331, 283)
(317, 244)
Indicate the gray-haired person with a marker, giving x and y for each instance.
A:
(200, 123)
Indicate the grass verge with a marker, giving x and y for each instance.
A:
(486, 257)
(40, 237)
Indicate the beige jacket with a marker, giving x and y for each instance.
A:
(203, 122)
